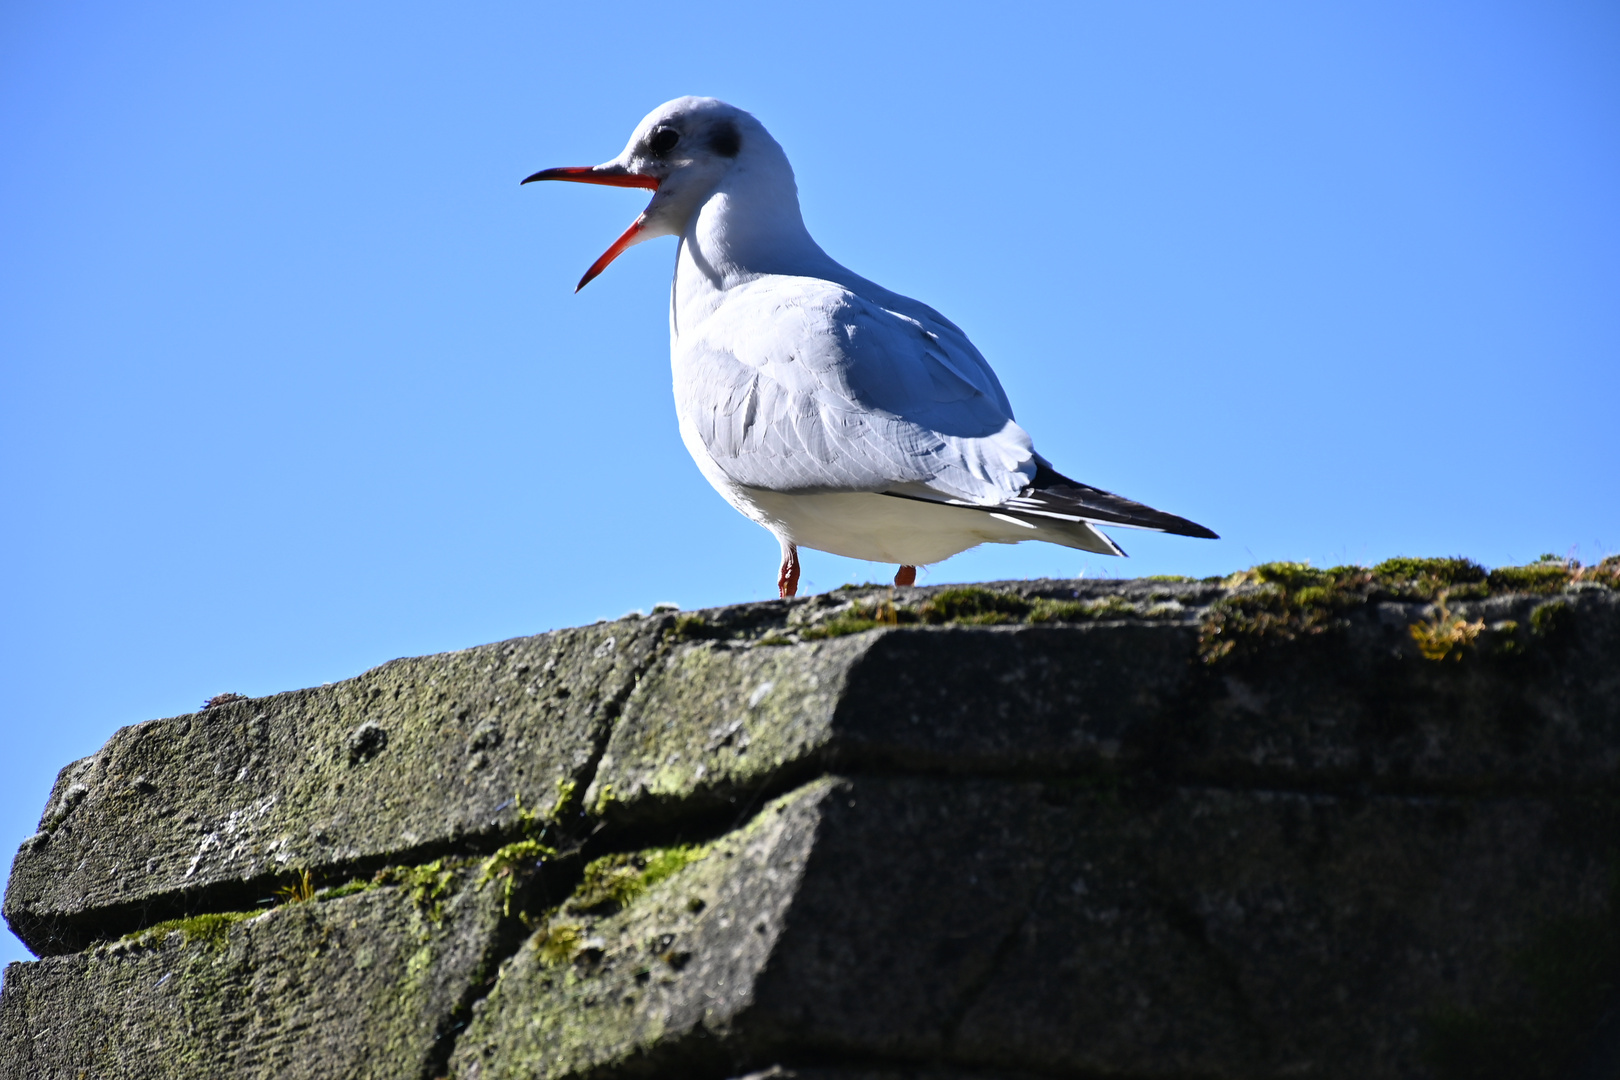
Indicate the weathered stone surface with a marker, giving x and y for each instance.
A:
(722, 719)
(1062, 929)
(411, 758)
(361, 986)
(659, 983)
(1339, 823)
(1329, 933)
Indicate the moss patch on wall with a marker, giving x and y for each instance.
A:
(1286, 601)
(212, 929)
(608, 885)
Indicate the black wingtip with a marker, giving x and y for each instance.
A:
(1104, 507)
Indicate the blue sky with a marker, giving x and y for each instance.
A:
(294, 381)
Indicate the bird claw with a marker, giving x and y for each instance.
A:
(787, 579)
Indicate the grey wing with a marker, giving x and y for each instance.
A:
(804, 386)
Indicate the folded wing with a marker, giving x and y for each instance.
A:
(799, 385)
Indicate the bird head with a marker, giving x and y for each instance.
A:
(682, 151)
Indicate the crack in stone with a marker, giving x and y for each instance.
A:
(976, 990)
(513, 930)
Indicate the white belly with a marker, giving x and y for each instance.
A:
(881, 528)
(877, 528)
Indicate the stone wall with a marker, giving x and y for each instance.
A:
(1344, 823)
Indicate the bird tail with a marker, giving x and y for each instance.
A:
(1053, 496)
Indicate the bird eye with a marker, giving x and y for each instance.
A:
(663, 140)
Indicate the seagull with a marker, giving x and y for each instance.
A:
(837, 414)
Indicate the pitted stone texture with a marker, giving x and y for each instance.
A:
(1061, 929)
(414, 756)
(801, 929)
(359, 987)
(717, 721)
(646, 982)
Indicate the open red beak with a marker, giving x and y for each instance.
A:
(609, 176)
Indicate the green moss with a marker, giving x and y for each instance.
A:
(559, 943)
(860, 617)
(973, 606)
(1446, 572)
(565, 795)
(839, 627)
(428, 885)
(348, 888)
(1550, 620)
(694, 627)
(1538, 577)
(1170, 577)
(1295, 601)
(607, 885)
(508, 865)
(1109, 607)
(212, 929)
(665, 862)
(1289, 575)
(1045, 611)
(614, 882)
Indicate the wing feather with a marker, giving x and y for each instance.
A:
(798, 384)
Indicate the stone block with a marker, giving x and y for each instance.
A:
(363, 986)
(1060, 929)
(408, 760)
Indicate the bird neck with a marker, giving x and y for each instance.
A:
(747, 227)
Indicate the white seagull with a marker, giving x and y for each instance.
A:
(835, 413)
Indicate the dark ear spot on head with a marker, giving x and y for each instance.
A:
(724, 139)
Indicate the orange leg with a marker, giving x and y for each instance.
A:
(787, 578)
(906, 575)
